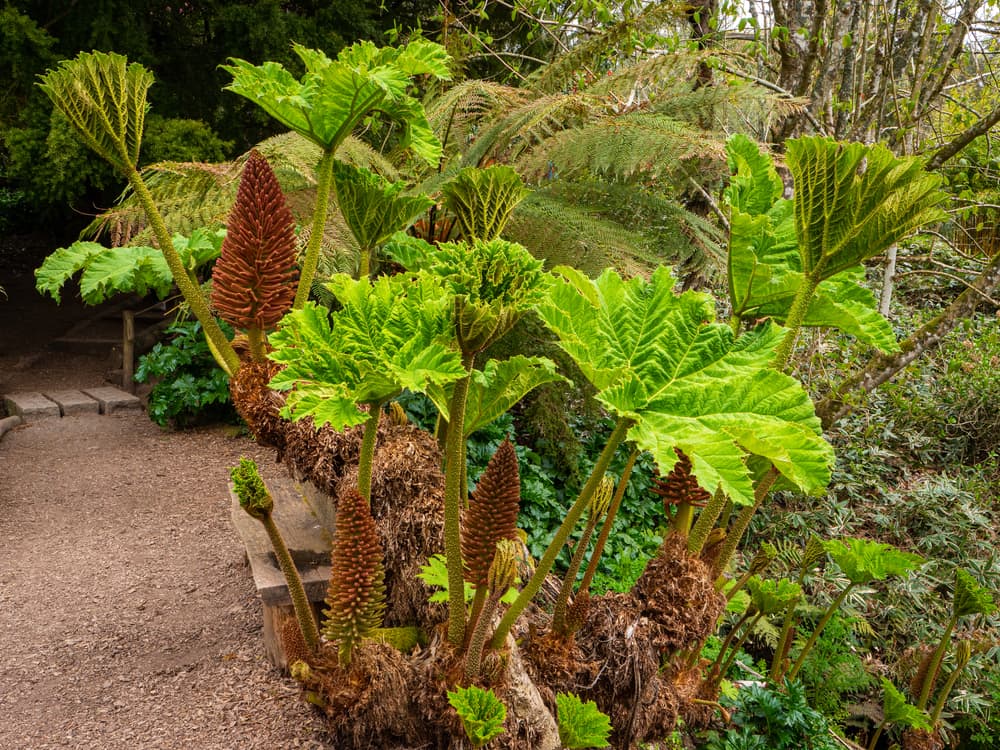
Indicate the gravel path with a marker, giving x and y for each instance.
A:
(127, 615)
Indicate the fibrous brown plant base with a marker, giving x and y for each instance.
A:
(921, 739)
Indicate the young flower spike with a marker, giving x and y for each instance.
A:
(253, 283)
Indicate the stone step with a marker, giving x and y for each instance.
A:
(31, 406)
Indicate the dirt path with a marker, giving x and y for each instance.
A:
(128, 619)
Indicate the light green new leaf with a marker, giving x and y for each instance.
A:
(864, 561)
(389, 335)
(64, 263)
(412, 253)
(658, 359)
(496, 388)
(970, 597)
(581, 725)
(771, 597)
(755, 185)
(483, 200)
(373, 207)
(334, 96)
(765, 267)
(853, 201)
(201, 247)
(897, 711)
(482, 714)
(104, 98)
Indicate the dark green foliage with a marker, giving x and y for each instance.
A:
(768, 719)
(190, 387)
(833, 674)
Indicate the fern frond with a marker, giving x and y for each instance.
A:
(457, 114)
(594, 52)
(535, 121)
(634, 146)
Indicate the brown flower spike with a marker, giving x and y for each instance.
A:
(253, 283)
(680, 486)
(492, 513)
(356, 596)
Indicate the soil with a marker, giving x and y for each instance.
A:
(128, 618)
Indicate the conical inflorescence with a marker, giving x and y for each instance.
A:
(253, 283)
(680, 486)
(492, 513)
(356, 595)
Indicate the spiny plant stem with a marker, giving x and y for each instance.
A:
(931, 675)
(559, 611)
(256, 338)
(827, 616)
(474, 655)
(706, 522)
(324, 179)
(609, 520)
(478, 602)
(742, 522)
(735, 647)
(367, 455)
(228, 359)
(453, 494)
(793, 322)
(562, 534)
(296, 591)
(944, 693)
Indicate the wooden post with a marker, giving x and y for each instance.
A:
(128, 350)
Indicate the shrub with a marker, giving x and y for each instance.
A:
(190, 387)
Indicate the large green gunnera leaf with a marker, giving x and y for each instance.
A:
(854, 201)
(389, 335)
(106, 271)
(659, 359)
(334, 96)
(373, 207)
(765, 265)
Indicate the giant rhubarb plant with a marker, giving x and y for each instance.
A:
(253, 281)
(676, 380)
(389, 334)
(374, 208)
(104, 99)
(331, 100)
(799, 261)
(356, 596)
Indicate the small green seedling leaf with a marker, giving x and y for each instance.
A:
(581, 725)
(481, 712)
(970, 597)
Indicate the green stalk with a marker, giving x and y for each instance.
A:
(827, 616)
(296, 591)
(559, 611)
(478, 601)
(562, 534)
(948, 685)
(935, 665)
(609, 521)
(683, 518)
(256, 338)
(453, 494)
(474, 656)
(367, 455)
(724, 648)
(706, 522)
(742, 522)
(219, 344)
(797, 313)
(324, 179)
(786, 633)
(735, 648)
(878, 733)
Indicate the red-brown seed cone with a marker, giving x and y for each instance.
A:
(492, 513)
(680, 485)
(253, 283)
(356, 595)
